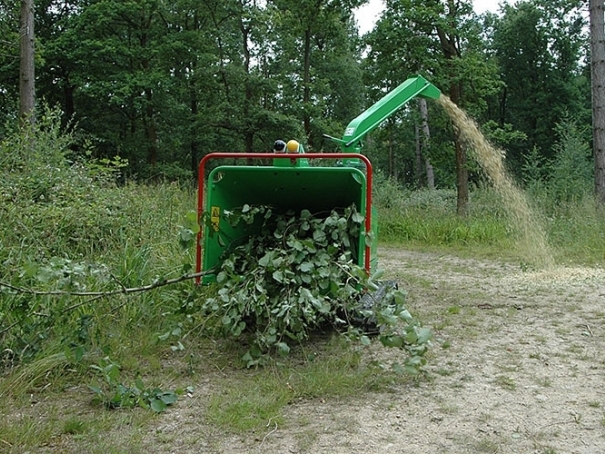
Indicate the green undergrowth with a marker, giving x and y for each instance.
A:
(71, 226)
(427, 220)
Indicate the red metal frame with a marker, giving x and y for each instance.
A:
(230, 155)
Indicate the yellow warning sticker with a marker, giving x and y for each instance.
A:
(215, 217)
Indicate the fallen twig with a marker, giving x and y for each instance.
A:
(265, 437)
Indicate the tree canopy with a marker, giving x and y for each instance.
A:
(162, 83)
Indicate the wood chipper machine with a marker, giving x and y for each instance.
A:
(296, 180)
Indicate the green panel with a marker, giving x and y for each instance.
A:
(317, 189)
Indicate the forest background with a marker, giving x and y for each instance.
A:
(158, 85)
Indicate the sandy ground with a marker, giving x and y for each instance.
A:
(517, 366)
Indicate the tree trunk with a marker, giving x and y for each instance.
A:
(151, 131)
(425, 143)
(418, 167)
(68, 92)
(391, 142)
(27, 93)
(597, 48)
(449, 45)
(461, 165)
(194, 141)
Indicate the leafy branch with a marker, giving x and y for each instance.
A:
(96, 294)
(102, 294)
(298, 273)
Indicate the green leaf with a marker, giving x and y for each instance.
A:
(398, 369)
(319, 236)
(399, 297)
(305, 267)
(139, 384)
(424, 335)
(405, 315)
(157, 405)
(411, 337)
(392, 341)
(186, 237)
(377, 275)
(95, 389)
(283, 348)
(357, 218)
(365, 340)
(295, 244)
(265, 259)
(168, 398)
(163, 337)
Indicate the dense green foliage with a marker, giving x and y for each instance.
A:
(161, 83)
(67, 227)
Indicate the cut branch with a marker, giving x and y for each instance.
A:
(123, 290)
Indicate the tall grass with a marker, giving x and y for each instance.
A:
(67, 226)
(427, 220)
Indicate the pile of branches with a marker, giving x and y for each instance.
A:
(299, 274)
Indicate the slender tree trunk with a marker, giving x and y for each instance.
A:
(68, 92)
(418, 174)
(461, 162)
(391, 128)
(193, 108)
(149, 123)
(449, 45)
(27, 93)
(194, 141)
(597, 47)
(425, 143)
(151, 129)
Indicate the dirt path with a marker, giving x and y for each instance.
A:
(517, 366)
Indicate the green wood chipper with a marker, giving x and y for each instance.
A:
(290, 182)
